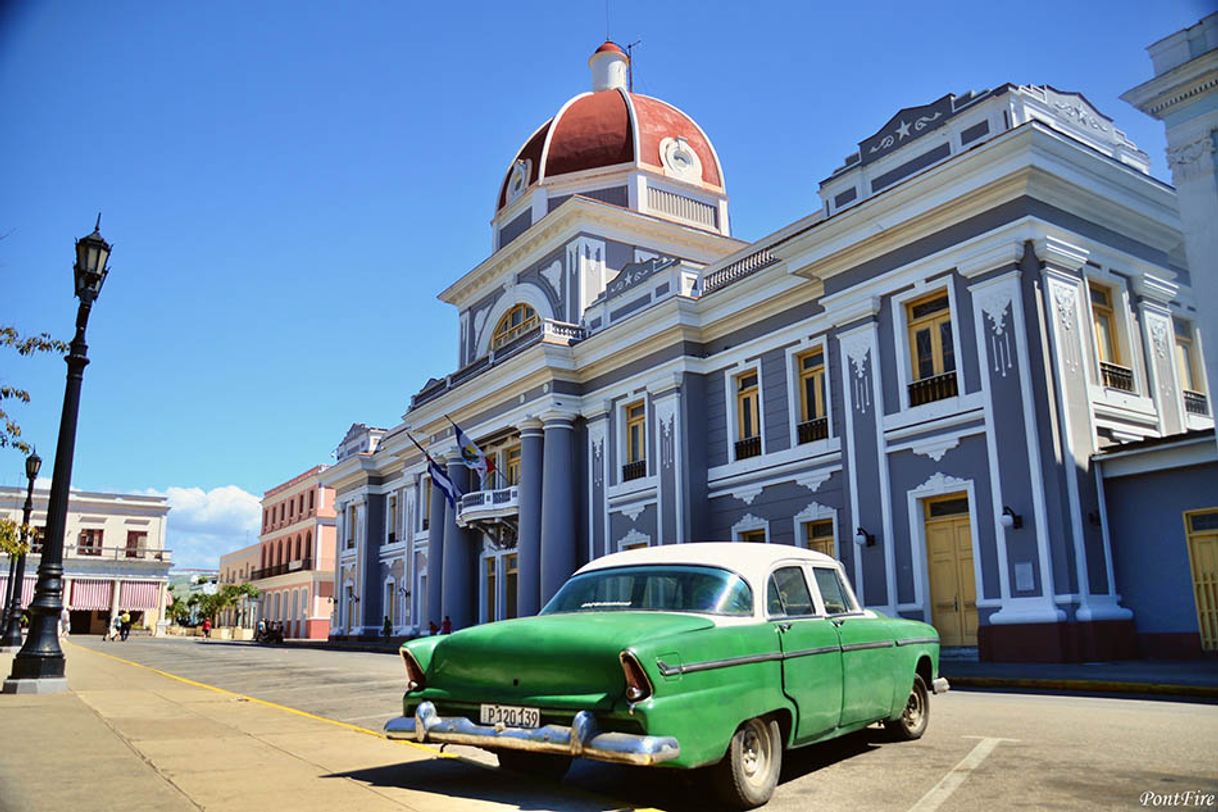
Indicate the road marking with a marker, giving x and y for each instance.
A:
(246, 698)
(940, 792)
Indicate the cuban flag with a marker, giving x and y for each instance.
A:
(472, 456)
(439, 479)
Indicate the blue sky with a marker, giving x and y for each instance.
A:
(288, 185)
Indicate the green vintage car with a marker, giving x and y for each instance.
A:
(716, 655)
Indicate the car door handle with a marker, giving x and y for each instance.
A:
(783, 627)
(837, 621)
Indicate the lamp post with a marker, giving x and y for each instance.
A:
(38, 667)
(11, 640)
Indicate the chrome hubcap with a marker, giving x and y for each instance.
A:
(755, 752)
(913, 710)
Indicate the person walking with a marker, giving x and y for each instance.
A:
(65, 621)
(125, 625)
(207, 628)
(387, 628)
(116, 624)
(446, 627)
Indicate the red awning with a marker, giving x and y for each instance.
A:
(139, 594)
(91, 593)
(27, 590)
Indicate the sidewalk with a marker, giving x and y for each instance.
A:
(1191, 679)
(126, 736)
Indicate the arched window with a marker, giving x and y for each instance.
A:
(299, 547)
(516, 322)
(309, 544)
(279, 555)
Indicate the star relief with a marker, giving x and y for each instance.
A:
(903, 130)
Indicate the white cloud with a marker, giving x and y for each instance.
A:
(203, 525)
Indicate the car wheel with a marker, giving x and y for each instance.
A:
(749, 772)
(911, 724)
(542, 765)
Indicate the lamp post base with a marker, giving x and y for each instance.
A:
(49, 685)
(9, 649)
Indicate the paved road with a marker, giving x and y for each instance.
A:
(983, 750)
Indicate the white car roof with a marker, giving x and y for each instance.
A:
(752, 560)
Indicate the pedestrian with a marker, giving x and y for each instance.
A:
(116, 624)
(125, 625)
(447, 626)
(65, 620)
(207, 627)
(387, 627)
(260, 635)
(433, 629)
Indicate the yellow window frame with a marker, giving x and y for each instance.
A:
(636, 431)
(492, 566)
(819, 535)
(932, 322)
(757, 535)
(513, 465)
(1103, 322)
(748, 401)
(519, 319)
(1186, 366)
(811, 377)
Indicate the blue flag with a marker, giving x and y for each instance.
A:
(439, 479)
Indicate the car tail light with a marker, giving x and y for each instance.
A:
(414, 674)
(638, 686)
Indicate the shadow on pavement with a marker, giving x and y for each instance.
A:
(460, 779)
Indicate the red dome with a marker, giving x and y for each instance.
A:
(609, 46)
(596, 130)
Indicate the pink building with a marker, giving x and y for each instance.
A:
(296, 561)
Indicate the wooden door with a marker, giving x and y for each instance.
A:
(949, 555)
(1203, 556)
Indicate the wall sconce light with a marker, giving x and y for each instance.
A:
(1010, 519)
(405, 592)
(863, 539)
(355, 598)
(330, 599)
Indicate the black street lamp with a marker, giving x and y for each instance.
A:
(11, 640)
(38, 667)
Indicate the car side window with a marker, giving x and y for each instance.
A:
(787, 593)
(829, 582)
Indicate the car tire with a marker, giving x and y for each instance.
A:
(748, 773)
(911, 724)
(540, 765)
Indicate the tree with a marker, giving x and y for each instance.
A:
(12, 537)
(10, 435)
(226, 597)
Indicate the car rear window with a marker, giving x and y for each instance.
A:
(659, 588)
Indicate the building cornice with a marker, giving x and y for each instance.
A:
(1176, 87)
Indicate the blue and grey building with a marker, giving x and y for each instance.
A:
(915, 377)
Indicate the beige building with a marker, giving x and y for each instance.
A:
(238, 567)
(114, 555)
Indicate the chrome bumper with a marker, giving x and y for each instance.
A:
(940, 686)
(582, 738)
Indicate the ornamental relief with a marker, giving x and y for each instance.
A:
(666, 415)
(856, 348)
(1187, 160)
(902, 131)
(994, 304)
(1065, 300)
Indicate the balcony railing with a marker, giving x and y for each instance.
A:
(549, 331)
(813, 430)
(110, 553)
(1196, 403)
(748, 447)
(1116, 376)
(735, 271)
(488, 505)
(634, 470)
(280, 569)
(929, 390)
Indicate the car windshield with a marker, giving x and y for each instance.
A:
(659, 588)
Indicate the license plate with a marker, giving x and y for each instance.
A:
(511, 716)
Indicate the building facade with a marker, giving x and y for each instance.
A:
(114, 556)
(236, 568)
(913, 378)
(295, 568)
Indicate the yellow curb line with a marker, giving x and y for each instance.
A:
(256, 700)
(1106, 686)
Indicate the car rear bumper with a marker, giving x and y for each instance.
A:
(581, 739)
(940, 686)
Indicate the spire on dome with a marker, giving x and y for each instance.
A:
(610, 66)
